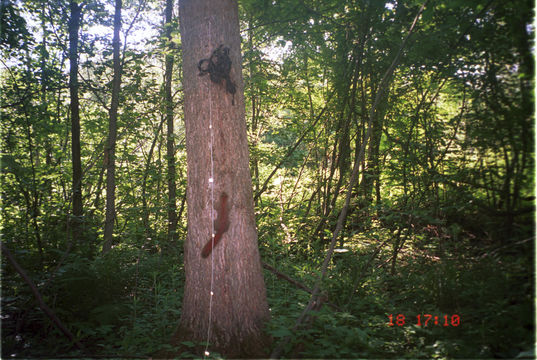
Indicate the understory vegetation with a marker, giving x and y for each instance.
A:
(128, 302)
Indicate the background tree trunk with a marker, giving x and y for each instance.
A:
(170, 144)
(74, 25)
(239, 306)
(110, 151)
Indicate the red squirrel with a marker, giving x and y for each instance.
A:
(220, 225)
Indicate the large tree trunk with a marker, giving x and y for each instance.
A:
(110, 151)
(217, 148)
(74, 25)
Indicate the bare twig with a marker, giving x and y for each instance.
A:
(292, 149)
(295, 282)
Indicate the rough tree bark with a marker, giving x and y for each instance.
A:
(217, 148)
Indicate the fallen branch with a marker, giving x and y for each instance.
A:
(299, 285)
(39, 298)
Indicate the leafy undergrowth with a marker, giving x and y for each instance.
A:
(128, 303)
(124, 304)
(483, 304)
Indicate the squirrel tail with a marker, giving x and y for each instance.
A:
(210, 244)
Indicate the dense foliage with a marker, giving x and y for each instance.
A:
(441, 217)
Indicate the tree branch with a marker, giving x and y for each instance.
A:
(383, 86)
(39, 298)
(291, 150)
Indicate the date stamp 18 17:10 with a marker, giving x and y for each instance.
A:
(425, 320)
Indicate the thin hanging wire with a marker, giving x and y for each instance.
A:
(211, 182)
